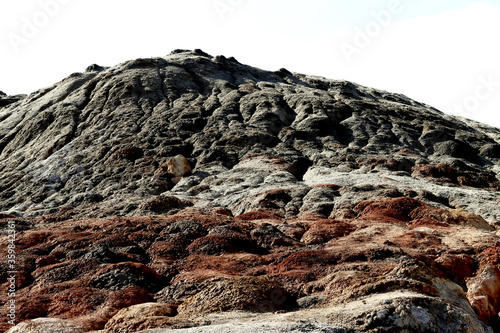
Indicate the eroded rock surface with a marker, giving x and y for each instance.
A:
(191, 190)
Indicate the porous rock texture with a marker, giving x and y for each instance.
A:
(198, 194)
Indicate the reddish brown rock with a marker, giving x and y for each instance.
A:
(211, 245)
(440, 171)
(246, 293)
(322, 231)
(128, 153)
(172, 250)
(230, 264)
(140, 317)
(463, 175)
(258, 215)
(390, 210)
(161, 203)
(413, 239)
(294, 230)
(223, 211)
(89, 270)
(451, 216)
(489, 257)
(7, 216)
(314, 260)
(456, 267)
(484, 294)
(84, 163)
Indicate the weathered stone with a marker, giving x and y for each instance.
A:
(322, 231)
(247, 199)
(248, 293)
(43, 325)
(160, 203)
(178, 166)
(131, 318)
(484, 294)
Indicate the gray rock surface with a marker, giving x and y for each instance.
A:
(6, 100)
(98, 141)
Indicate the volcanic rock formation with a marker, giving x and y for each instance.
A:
(198, 194)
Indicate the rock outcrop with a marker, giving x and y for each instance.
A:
(179, 192)
(6, 100)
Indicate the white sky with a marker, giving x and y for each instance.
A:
(442, 52)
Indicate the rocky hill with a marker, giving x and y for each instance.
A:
(198, 194)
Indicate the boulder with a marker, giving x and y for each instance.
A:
(43, 325)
